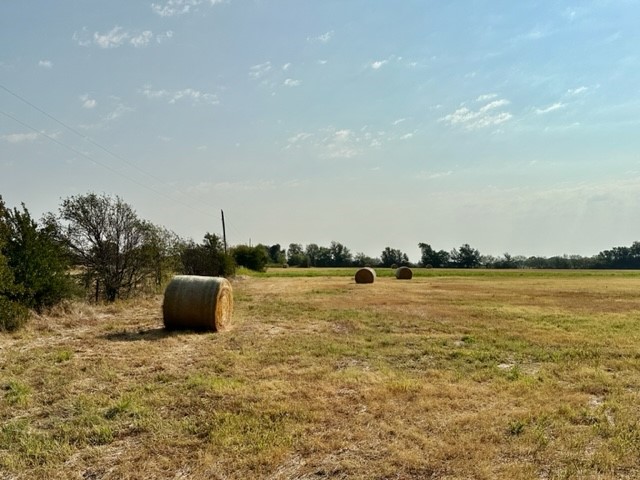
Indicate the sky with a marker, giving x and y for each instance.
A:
(511, 126)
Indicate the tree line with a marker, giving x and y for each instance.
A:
(96, 247)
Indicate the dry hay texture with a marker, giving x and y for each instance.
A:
(198, 303)
(404, 273)
(365, 275)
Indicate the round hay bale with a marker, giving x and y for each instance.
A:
(365, 275)
(404, 273)
(198, 303)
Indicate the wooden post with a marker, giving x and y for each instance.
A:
(224, 233)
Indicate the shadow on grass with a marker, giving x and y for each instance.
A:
(149, 334)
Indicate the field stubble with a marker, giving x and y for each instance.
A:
(520, 377)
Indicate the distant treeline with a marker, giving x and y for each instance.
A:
(338, 255)
(97, 248)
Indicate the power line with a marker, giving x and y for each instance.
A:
(101, 147)
(80, 134)
(82, 154)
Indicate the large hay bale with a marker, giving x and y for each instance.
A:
(365, 275)
(198, 303)
(404, 273)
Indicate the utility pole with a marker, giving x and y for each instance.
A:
(224, 233)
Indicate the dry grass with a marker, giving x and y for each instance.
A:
(519, 377)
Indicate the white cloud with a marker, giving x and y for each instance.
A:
(577, 91)
(117, 37)
(298, 138)
(399, 121)
(485, 116)
(289, 82)
(256, 185)
(179, 7)
(550, 108)
(286, 66)
(142, 40)
(117, 112)
(486, 96)
(378, 64)
(188, 93)
(164, 36)
(112, 39)
(45, 64)
(322, 62)
(82, 38)
(324, 38)
(260, 70)
(20, 137)
(195, 95)
(433, 175)
(87, 102)
(406, 136)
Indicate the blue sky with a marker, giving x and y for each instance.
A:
(511, 126)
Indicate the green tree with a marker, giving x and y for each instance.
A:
(312, 252)
(12, 314)
(362, 260)
(466, 257)
(206, 259)
(432, 258)
(253, 258)
(393, 256)
(340, 255)
(108, 242)
(38, 259)
(276, 254)
(295, 254)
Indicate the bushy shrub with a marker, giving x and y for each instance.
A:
(254, 258)
(37, 259)
(12, 314)
(207, 258)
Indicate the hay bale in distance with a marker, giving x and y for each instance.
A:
(198, 303)
(365, 275)
(404, 273)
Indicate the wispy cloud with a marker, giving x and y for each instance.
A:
(45, 64)
(142, 40)
(378, 64)
(426, 175)
(245, 186)
(88, 102)
(163, 37)
(332, 142)
(577, 91)
(324, 38)
(20, 137)
(119, 110)
(550, 108)
(486, 116)
(171, 8)
(117, 37)
(114, 38)
(260, 70)
(289, 82)
(486, 96)
(196, 96)
(343, 143)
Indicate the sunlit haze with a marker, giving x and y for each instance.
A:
(510, 126)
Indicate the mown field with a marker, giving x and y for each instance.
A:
(451, 375)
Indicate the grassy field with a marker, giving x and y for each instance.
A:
(451, 375)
